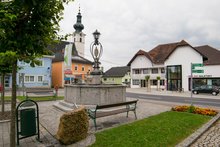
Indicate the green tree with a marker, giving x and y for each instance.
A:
(158, 82)
(147, 80)
(3, 71)
(27, 27)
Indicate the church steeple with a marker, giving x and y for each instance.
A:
(78, 35)
(78, 26)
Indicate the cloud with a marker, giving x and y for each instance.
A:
(127, 25)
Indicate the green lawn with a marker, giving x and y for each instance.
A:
(164, 130)
(21, 98)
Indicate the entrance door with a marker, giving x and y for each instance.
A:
(174, 77)
(143, 83)
(174, 85)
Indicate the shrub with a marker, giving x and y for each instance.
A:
(196, 110)
(73, 126)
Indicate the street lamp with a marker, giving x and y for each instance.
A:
(96, 51)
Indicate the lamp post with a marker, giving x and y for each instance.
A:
(96, 51)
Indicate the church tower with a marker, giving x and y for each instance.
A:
(78, 35)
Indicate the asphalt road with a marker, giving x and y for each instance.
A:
(176, 99)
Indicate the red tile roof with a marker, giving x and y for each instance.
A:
(212, 54)
(160, 53)
(140, 52)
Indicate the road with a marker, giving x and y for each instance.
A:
(176, 99)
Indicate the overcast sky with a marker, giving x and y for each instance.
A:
(127, 26)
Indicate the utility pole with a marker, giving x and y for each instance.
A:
(191, 84)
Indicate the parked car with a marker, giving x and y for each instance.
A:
(206, 89)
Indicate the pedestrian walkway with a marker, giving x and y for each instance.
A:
(144, 90)
(210, 138)
(49, 121)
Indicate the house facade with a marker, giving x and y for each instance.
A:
(35, 77)
(80, 66)
(172, 64)
(32, 77)
(117, 75)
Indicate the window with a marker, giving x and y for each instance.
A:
(29, 79)
(162, 82)
(162, 70)
(83, 68)
(146, 71)
(153, 82)
(136, 82)
(155, 71)
(136, 71)
(76, 67)
(216, 82)
(105, 79)
(80, 39)
(174, 77)
(39, 78)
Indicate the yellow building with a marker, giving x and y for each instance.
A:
(80, 66)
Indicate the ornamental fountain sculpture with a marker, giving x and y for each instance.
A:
(93, 92)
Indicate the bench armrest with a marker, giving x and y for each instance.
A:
(91, 113)
(91, 110)
(131, 106)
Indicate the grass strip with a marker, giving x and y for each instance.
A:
(164, 130)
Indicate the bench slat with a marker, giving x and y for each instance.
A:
(115, 105)
(107, 113)
(98, 112)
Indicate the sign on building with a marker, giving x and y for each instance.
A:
(197, 68)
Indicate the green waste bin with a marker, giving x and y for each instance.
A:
(28, 122)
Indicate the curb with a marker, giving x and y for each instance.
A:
(193, 137)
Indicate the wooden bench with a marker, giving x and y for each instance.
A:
(40, 93)
(104, 110)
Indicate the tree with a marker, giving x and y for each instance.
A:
(147, 80)
(27, 27)
(158, 82)
(4, 70)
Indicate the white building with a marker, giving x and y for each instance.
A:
(172, 63)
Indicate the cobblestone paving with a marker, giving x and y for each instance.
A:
(210, 138)
(49, 121)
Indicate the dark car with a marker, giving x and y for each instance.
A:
(206, 89)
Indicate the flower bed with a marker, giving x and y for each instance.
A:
(196, 110)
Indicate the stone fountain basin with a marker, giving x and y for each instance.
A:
(94, 94)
